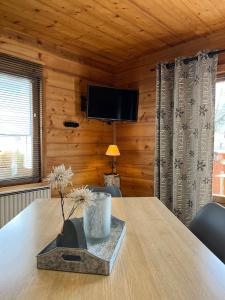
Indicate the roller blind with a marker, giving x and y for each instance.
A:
(20, 102)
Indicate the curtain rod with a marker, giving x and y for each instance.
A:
(187, 60)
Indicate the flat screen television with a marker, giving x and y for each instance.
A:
(110, 103)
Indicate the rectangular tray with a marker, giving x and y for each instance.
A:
(98, 258)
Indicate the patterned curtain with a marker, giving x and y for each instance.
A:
(185, 134)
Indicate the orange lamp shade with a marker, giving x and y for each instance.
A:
(112, 151)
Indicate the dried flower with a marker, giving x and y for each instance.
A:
(60, 177)
(82, 197)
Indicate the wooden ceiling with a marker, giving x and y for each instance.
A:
(109, 32)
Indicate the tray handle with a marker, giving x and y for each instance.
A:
(71, 258)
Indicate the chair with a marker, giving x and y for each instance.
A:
(113, 190)
(209, 227)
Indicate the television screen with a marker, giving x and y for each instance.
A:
(112, 104)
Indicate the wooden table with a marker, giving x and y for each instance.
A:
(159, 258)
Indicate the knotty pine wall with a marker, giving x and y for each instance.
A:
(137, 141)
(82, 148)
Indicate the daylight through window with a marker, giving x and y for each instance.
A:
(19, 125)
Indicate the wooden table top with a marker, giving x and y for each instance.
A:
(159, 258)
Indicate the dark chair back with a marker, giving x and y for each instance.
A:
(209, 227)
(113, 190)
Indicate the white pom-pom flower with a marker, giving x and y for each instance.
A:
(60, 177)
(82, 197)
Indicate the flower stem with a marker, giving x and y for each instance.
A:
(62, 205)
(72, 211)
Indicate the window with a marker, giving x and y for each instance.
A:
(19, 121)
(219, 140)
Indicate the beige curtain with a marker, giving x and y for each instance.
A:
(185, 134)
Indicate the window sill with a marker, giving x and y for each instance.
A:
(219, 198)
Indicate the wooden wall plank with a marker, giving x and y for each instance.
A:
(71, 136)
(136, 158)
(56, 150)
(136, 186)
(56, 121)
(135, 172)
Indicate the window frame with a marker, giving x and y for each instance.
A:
(36, 81)
(219, 198)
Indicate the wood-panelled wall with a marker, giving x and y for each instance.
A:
(137, 141)
(82, 148)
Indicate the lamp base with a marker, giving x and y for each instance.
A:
(112, 179)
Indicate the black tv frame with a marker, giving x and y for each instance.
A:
(115, 88)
